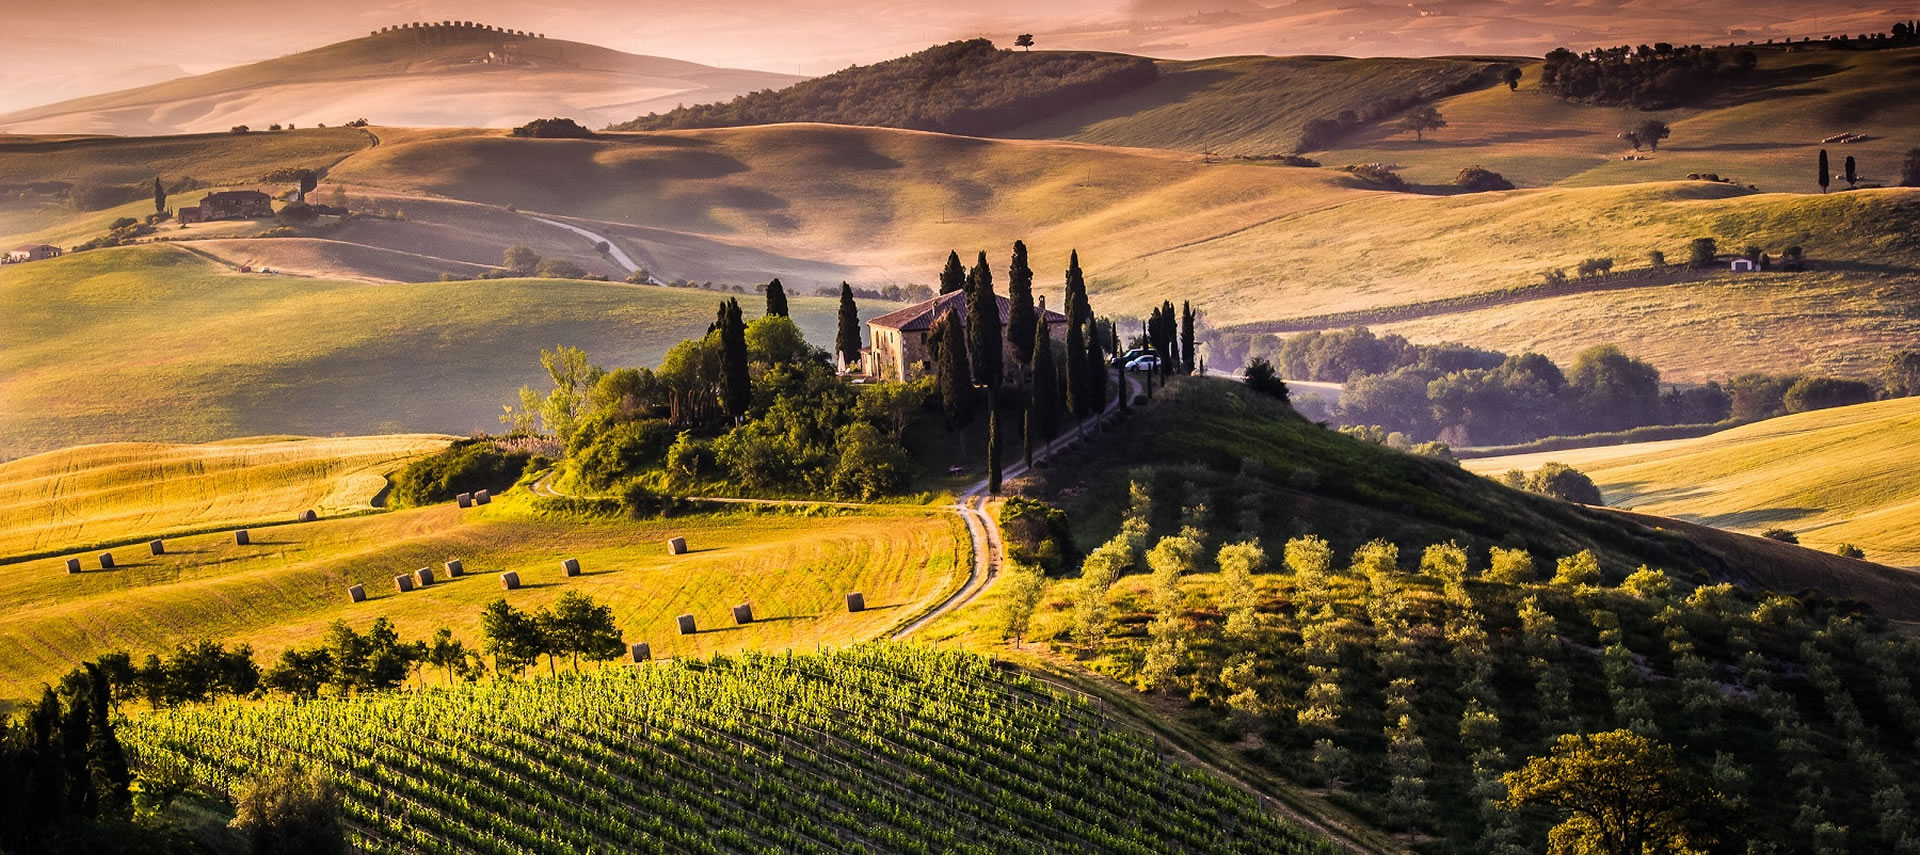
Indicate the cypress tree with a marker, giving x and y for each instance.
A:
(1026, 430)
(159, 197)
(776, 298)
(736, 389)
(1096, 369)
(1020, 315)
(993, 447)
(1076, 391)
(953, 277)
(1169, 338)
(983, 327)
(1043, 399)
(847, 341)
(1187, 343)
(1852, 176)
(1826, 174)
(956, 382)
(111, 776)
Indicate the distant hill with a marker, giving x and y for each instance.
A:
(966, 87)
(462, 76)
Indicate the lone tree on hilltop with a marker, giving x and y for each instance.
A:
(1024, 40)
(1512, 77)
(776, 298)
(847, 342)
(1423, 120)
(1826, 172)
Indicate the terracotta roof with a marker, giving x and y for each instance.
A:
(922, 316)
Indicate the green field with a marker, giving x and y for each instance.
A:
(1831, 476)
(291, 582)
(158, 344)
(877, 748)
(104, 494)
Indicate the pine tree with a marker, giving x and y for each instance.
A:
(993, 448)
(736, 386)
(1076, 391)
(1020, 313)
(957, 394)
(983, 327)
(847, 341)
(953, 277)
(776, 299)
(1826, 174)
(1042, 399)
(1187, 344)
(159, 197)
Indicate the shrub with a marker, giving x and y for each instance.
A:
(621, 450)
(1565, 482)
(1263, 379)
(1377, 174)
(689, 459)
(642, 502)
(1781, 534)
(1474, 179)
(1819, 393)
(871, 463)
(555, 128)
(463, 467)
(1703, 252)
(1037, 533)
(1510, 566)
(1580, 568)
(297, 213)
(291, 811)
(560, 268)
(1848, 550)
(1595, 267)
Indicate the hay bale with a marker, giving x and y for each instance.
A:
(157, 547)
(570, 567)
(106, 561)
(240, 538)
(480, 497)
(424, 576)
(403, 583)
(465, 500)
(357, 593)
(856, 602)
(455, 569)
(510, 581)
(677, 546)
(309, 515)
(73, 566)
(641, 651)
(743, 614)
(686, 625)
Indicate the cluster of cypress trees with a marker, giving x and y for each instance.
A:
(1170, 335)
(62, 765)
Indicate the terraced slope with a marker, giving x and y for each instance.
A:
(1831, 476)
(285, 587)
(878, 749)
(97, 494)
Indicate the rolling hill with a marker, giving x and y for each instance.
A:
(432, 76)
(1830, 476)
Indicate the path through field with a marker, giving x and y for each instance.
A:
(614, 252)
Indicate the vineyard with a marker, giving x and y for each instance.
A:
(875, 748)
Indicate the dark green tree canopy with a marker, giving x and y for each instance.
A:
(984, 326)
(776, 298)
(1021, 317)
(953, 277)
(846, 341)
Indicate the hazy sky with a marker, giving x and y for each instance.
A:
(54, 50)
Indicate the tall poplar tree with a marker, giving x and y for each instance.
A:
(1076, 381)
(736, 385)
(983, 327)
(1020, 313)
(776, 298)
(847, 341)
(1043, 399)
(1186, 337)
(953, 277)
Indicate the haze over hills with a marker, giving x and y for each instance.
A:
(435, 76)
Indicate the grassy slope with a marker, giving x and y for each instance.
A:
(1250, 105)
(291, 582)
(1313, 480)
(157, 344)
(1831, 476)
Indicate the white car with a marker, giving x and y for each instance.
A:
(1149, 362)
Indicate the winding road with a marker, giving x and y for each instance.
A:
(614, 252)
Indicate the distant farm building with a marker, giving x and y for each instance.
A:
(899, 349)
(1744, 265)
(229, 205)
(32, 252)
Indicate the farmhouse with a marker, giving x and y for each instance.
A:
(32, 252)
(899, 349)
(229, 205)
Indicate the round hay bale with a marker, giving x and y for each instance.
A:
(856, 602)
(73, 566)
(455, 569)
(570, 567)
(309, 515)
(106, 561)
(686, 625)
(241, 538)
(357, 593)
(465, 500)
(510, 581)
(424, 576)
(403, 583)
(157, 547)
(480, 497)
(641, 652)
(677, 546)
(743, 614)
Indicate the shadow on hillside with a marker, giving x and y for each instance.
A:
(1636, 491)
(1758, 146)
(1753, 517)
(1395, 143)
(1168, 90)
(1774, 84)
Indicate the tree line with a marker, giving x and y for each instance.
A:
(1649, 77)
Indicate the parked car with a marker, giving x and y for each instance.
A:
(1128, 357)
(1145, 363)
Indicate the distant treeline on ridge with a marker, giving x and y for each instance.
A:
(965, 87)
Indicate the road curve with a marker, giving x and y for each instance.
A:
(614, 252)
